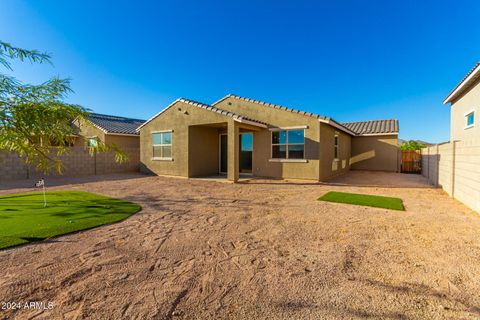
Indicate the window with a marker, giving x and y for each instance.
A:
(162, 145)
(470, 119)
(92, 142)
(335, 147)
(288, 144)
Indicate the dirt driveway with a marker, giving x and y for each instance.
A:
(257, 250)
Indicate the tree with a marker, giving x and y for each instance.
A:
(412, 145)
(34, 118)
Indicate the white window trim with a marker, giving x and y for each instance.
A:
(288, 160)
(161, 159)
(272, 159)
(466, 118)
(90, 138)
(288, 128)
(162, 145)
(161, 131)
(337, 146)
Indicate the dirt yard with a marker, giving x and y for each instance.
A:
(255, 250)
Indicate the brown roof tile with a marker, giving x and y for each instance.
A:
(373, 127)
(115, 124)
(276, 106)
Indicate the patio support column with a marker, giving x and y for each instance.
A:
(233, 138)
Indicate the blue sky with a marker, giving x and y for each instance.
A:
(349, 60)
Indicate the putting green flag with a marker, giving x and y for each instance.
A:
(41, 183)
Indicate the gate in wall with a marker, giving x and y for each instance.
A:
(411, 161)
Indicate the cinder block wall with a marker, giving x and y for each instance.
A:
(12, 167)
(77, 162)
(455, 167)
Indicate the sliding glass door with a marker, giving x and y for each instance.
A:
(246, 152)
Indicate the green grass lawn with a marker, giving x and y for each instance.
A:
(23, 218)
(363, 200)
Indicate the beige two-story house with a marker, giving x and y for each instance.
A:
(237, 135)
(465, 107)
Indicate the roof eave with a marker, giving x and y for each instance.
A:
(465, 82)
(337, 125)
(377, 134)
(226, 97)
(122, 134)
(158, 113)
(206, 107)
(272, 105)
(252, 123)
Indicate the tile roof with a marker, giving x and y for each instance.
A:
(353, 128)
(373, 127)
(276, 106)
(457, 90)
(114, 124)
(211, 108)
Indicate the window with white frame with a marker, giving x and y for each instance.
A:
(470, 119)
(162, 145)
(92, 142)
(335, 146)
(288, 144)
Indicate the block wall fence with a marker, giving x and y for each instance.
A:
(455, 167)
(77, 162)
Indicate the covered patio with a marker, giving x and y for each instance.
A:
(223, 149)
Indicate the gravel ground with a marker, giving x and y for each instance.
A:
(256, 250)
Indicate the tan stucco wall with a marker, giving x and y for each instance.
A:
(466, 103)
(262, 140)
(203, 151)
(195, 143)
(329, 166)
(88, 131)
(205, 163)
(123, 141)
(177, 118)
(379, 153)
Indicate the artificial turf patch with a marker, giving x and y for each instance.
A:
(23, 218)
(364, 200)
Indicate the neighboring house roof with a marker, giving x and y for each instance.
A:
(115, 125)
(373, 127)
(471, 77)
(207, 107)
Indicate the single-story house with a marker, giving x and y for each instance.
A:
(465, 106)
(109, 129)
(237, 135)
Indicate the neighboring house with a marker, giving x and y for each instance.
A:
(454, 166)
(465, 107)
(238, 135)
(110, 130)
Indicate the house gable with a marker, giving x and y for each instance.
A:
(464, 86)
(466, 104)
(235, 116)
(260, 109)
